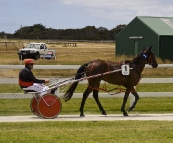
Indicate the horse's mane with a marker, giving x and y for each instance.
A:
(135, 60)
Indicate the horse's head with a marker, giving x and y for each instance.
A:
(147, 53)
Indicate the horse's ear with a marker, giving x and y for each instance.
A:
(147, 49)
(150, 47)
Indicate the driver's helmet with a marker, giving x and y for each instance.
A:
(29, 61)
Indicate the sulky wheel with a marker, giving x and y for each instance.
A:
(49, 106)
(33, 106)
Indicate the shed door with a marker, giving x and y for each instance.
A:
(136, 47)
(166, 48)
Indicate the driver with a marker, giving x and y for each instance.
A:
(29, 83)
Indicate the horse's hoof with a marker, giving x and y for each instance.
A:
(130, 109)
(104, 113)
(82, 115)
(125, 114)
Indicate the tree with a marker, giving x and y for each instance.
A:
(39, 26)
(86, 33)
(113, 32)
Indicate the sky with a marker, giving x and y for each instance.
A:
(77, 14)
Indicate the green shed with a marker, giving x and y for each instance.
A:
(145, 31)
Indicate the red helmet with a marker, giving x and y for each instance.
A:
(29, 61)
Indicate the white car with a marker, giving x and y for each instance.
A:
(34, 51)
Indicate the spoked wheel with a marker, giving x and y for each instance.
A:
(33, 106)
(49, 106)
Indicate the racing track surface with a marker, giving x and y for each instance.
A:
(113, 117)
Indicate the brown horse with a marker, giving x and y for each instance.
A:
(128, 81)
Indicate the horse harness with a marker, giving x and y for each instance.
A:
(132, 65)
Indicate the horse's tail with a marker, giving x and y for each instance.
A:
(80, 73)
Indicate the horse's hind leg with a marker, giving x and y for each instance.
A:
(85, 95)
(135, 102)
(124, 103)
(95, 95)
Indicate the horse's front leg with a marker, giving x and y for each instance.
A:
(85, 95)
(135, 102)
(124, 103)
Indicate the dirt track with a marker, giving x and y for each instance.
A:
(160, 117)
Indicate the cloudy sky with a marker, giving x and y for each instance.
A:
(65, 14)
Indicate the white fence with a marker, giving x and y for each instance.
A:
(79, 95)
(165, 66)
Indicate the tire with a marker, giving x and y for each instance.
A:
(37, 56)
(33, 106)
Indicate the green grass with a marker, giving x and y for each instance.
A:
(87, 132)
(13, 107)
(142, 87)
(111, 105)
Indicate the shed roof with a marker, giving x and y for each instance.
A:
(160, 25)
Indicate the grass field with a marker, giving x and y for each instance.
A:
(85, 132)
(83, 53)
(88, 131)
(15, 107)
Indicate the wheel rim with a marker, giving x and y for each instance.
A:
(49, 106)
